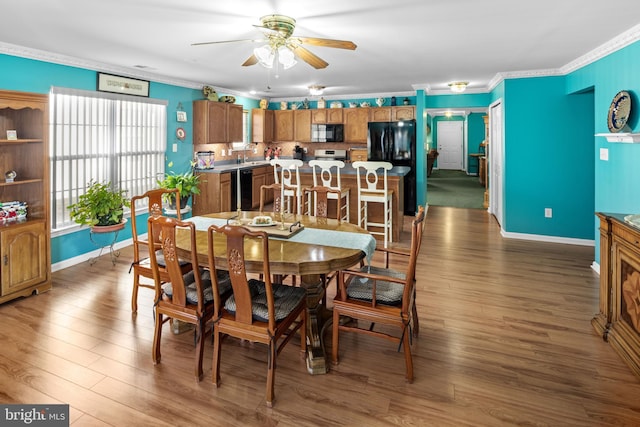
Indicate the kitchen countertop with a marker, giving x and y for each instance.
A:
(348, 169)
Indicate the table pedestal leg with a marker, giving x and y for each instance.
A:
(316, 360)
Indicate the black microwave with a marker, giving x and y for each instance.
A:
(327, 133)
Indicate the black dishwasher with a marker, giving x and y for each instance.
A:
(246, 193)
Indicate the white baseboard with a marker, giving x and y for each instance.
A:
(550, 239)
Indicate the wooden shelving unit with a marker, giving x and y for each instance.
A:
(25, 245)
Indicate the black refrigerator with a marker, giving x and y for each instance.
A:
(395, 142)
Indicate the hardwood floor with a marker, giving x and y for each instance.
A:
(505, 339)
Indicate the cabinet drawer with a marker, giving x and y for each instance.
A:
(358, 155)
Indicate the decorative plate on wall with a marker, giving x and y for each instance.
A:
(619, 111)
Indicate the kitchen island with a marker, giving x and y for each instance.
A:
(216, 189)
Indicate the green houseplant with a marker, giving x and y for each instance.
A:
(187, 183)
(100, 206)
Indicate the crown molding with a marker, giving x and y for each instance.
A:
(625, 39)
(40, 55)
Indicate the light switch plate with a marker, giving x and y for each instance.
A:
(604, 154)
(175, 148)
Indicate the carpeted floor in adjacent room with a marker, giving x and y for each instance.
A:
(455, 189)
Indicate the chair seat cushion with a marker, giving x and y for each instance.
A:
(387, 293)
(286, 299)
(160, 259)
(224, 284)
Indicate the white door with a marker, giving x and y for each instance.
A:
(496, 160)
(450, 143)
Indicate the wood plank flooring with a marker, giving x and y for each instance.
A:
(505, 340)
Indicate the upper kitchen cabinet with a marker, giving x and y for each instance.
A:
(356, 124)
(403, 113)
(215, 122)
(302, 125)
(380, 114)
(327, 115)
(284, 128)
(263, 124)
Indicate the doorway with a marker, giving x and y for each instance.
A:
(450, 138)
(496, 160)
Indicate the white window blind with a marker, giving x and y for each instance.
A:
(106, 138)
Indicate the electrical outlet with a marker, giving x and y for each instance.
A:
(175, 148)
(548, 212)
(306, 150)
(255, 150)
(222, 153)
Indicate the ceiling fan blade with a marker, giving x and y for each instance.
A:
(252, 60)
(308, 57)
(228, 41)
(339, 44)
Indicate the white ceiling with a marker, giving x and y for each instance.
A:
(403, 45)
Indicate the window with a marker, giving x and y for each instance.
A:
(245, 133)
(106, 138)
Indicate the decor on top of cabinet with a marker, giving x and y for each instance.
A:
(210, 93)
(187, 183)
(264, 104)
(380, 102)
(228, 99)
(405, 101)
(100, 205)
(322, 103)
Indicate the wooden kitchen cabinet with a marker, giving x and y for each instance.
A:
(216, 122)
(356, 124)
(380, 114)
(262, 123)
(284, 128)
(327, 115)
(215, 194)
(25, 254)
(405, 112)
(259, 178)
(302, 125)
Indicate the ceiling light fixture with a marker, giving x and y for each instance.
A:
(458, 87)
(266, 55)
(316, 90)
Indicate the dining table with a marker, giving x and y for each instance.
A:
(301, 245)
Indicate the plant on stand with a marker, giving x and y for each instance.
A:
(187, 183)
(100, 206)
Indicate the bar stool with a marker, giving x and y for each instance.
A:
(322, 171)
(369, 190)
(290, 171)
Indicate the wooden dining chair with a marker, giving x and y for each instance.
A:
(259, 310)
(276, 190)
(152, 201)
(381, 296)
(185, 297)
(318, 201)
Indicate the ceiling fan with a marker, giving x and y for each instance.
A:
(280, 41)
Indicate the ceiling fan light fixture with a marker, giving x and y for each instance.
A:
(316, 90)
(286, 57)
(265, 56)
(458, 87)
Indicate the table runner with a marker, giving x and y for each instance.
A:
(311, 236)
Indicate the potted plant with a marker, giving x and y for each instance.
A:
(101, 206)
(187, 183)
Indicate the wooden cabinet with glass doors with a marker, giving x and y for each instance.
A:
(25, 255)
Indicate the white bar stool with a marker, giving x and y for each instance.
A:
(290, 170)
(371, 190)
(323, 175)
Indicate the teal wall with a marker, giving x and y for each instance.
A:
(547, 159)
(37, 76)
(616, 187)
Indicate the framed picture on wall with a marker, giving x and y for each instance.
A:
(12, 135)
(181, 116)
(124, 85)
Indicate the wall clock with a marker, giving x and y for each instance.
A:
(180, 133)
